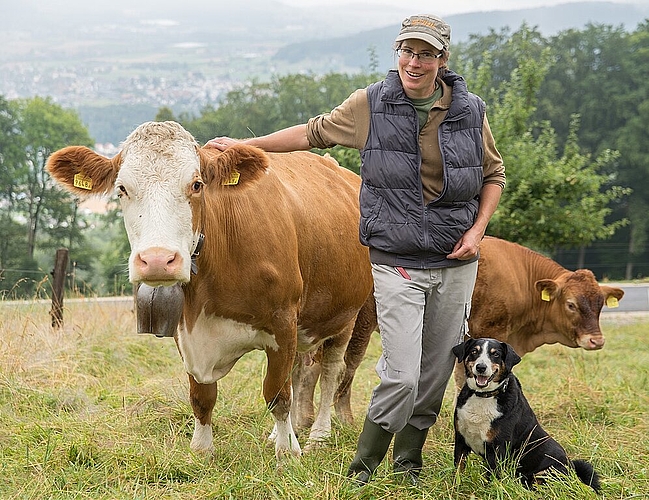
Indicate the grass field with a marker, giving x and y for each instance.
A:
(95, 410)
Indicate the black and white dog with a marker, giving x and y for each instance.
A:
(494, 420)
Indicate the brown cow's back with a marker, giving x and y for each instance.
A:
(505, 286)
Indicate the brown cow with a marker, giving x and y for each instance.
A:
(521, 297)
(281, 268)
(528, 300)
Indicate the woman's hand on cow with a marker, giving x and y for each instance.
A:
(221, 143)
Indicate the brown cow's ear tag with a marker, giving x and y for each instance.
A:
(82, 182)
(612, 302)
(545, 295)
(232, 179)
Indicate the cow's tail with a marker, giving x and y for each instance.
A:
(587, 474)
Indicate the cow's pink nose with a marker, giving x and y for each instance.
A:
(158, 263)
(597, 342)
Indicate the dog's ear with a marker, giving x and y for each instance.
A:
(458, 350)
(511, 358)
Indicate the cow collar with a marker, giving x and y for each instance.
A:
(490, 394)
(198, 244)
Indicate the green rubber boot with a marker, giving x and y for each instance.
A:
(373, 444)
(408, 444)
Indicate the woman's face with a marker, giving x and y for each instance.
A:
(417, 77)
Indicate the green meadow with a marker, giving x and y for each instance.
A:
(96, 411)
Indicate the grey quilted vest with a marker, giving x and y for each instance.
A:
(395, 224)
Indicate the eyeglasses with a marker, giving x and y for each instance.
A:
(424, 57)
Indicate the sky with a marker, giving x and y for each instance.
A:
(450, 8)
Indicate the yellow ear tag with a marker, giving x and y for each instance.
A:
(612, 301)
(233, 179)
(82, 182)
(545, 295)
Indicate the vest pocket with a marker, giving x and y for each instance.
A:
(370, 205)
(447, 224)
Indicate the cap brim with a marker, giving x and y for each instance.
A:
(421, 36)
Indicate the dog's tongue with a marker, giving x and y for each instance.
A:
(481, 380)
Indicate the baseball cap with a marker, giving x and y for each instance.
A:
(428, 28)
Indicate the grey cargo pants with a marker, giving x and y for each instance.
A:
(422, 315)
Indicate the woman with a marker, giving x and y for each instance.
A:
(432, 179)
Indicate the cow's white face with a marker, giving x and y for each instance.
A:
(158, 177)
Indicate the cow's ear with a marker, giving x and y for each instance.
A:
(82, 171)
(549, 289)
(236, 166)
(511, 356)
(611, 295)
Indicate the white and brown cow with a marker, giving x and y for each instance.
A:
(281, 268)
(520, 297)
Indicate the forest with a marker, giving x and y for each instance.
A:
(568, 113)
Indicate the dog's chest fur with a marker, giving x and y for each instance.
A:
(474, 419)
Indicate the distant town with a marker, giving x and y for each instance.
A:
(140, 65)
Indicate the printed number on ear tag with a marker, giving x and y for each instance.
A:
(82, 182)
(545, 295)
(232, 179)
(612, 302)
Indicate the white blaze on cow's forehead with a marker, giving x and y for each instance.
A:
(210, 350)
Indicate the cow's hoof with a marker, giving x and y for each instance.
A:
(202, 441)
(314, 444)
(345, 417)
(204, 452)
(287, 454)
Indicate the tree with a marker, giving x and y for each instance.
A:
(261, 108)
(550, 201)
(601, 74)
(46, 127)
(165, 114)
(634, 141)
(587, 78)
(46, 216)
(10, 156)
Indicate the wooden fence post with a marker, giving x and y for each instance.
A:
(60, 266)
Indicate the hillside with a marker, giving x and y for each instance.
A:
(189, 55)
(352, 51)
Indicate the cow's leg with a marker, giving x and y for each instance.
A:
(365, 325)
(202, 398)
(332, 367)
(459, 377)
(305, 377)
(277, 393)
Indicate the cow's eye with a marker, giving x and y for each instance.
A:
(571, 306)
(196, 187)
(121, 191)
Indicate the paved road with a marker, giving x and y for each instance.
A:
(636, 299)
